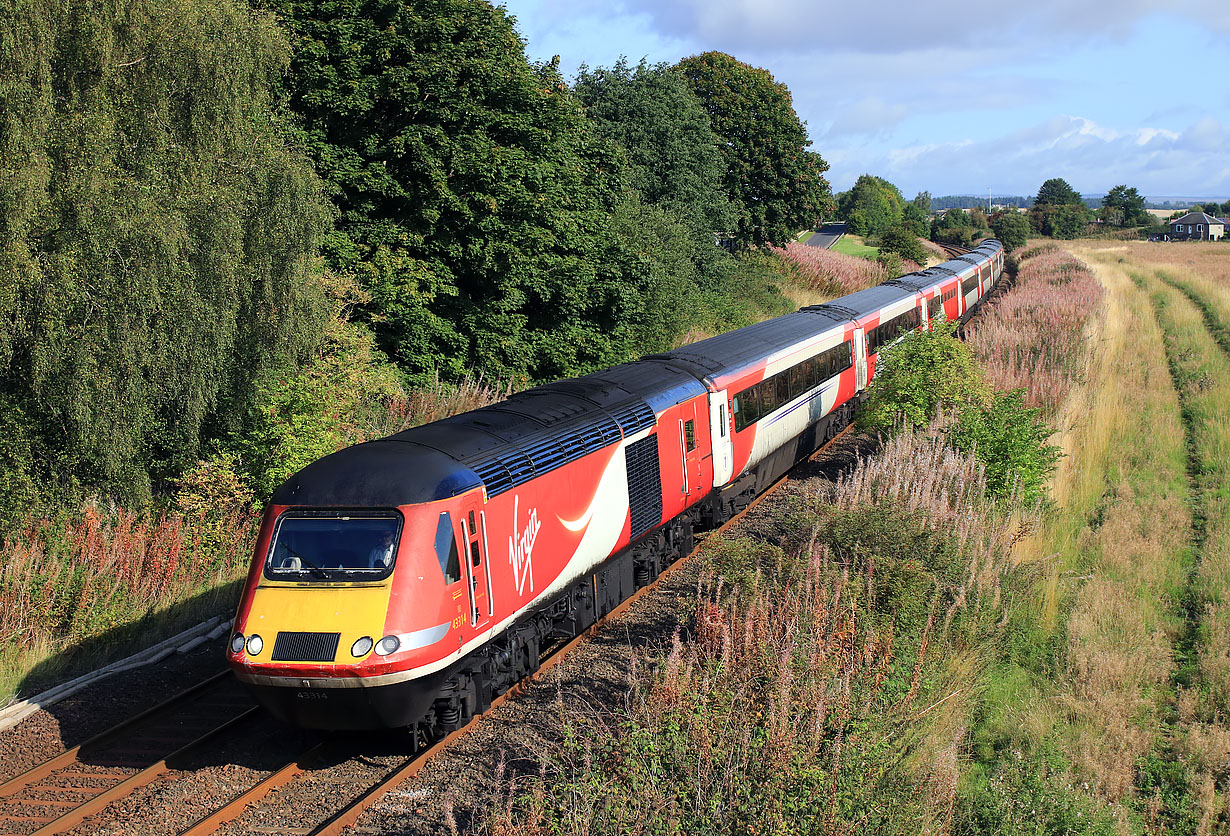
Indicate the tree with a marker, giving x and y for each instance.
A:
(1124, 207)
(476, 199)
(1011, 228)
(904, 243)
(872, 206)
(1067, 221)
(776, 185)
(157, 237)
(952, 227)
(916, 217)
(673, 153)
(1057, 192)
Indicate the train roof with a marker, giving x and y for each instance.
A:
(500, 446)
(745, 346)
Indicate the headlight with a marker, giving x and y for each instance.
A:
(387, 645)
(237, 643)
(361, 648)
(255, 645)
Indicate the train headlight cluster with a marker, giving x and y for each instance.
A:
(254, 643)
(361, 648)
(387, 645)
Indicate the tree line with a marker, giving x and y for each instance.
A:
(207, 209)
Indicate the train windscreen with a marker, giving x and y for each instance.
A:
(320, 548)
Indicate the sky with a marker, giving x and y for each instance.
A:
(1134, 92)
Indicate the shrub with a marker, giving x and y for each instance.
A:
(904, 243)
(1009, 439)
(925, 373)
(1011, 228)
(890, 261)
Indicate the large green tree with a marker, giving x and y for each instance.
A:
(1011, 228)
(475, 198)
(1124, 207)
(1057, 192)
(872, 206)
(674, 161)
(776, 184)
(157, 236)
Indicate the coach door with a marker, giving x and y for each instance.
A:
(690, 450)
(719, 430)
(478, 569)
(860, 360)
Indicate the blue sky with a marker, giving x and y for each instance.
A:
(1134, 92)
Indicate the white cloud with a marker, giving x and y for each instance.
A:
(1091, 156)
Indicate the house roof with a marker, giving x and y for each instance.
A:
(1198, 218)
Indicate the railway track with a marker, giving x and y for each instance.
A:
(63, 792)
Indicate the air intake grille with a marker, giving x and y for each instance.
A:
(635, 417)
(644, 485)
(305, 647)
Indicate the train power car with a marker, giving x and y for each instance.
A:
(405, 582)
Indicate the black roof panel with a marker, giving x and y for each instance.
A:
(735, 349)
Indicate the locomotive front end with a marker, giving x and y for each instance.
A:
(352, 594)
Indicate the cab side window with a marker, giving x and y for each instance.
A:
(446, 550)
(689, 432)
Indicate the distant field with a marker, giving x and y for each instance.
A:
(853, 245)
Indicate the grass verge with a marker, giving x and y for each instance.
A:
(853, 245)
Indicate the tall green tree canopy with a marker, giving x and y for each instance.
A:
(1124, 207)
(872, 206)
(775, 183)
(156, 235)
(1011, 228)
(475, 197)
(1057, 192)
(653, 114)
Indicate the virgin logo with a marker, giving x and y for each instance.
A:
(521, 550)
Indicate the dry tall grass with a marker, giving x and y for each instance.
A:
(1134, 557)
(825, 688)
(66, 581)
(1202, 372)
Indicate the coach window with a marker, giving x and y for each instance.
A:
(798, 380)
(446, 550)
(689, 433)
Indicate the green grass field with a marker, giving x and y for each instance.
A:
(853, 245)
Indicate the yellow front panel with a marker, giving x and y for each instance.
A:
(353, 611)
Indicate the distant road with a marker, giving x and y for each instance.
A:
(827, 235)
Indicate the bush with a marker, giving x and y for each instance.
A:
(926, 372)
(904, 243)
(890, 261)
(1011, 228)
(1009, 439)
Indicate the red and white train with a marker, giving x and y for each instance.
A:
(406, 582)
